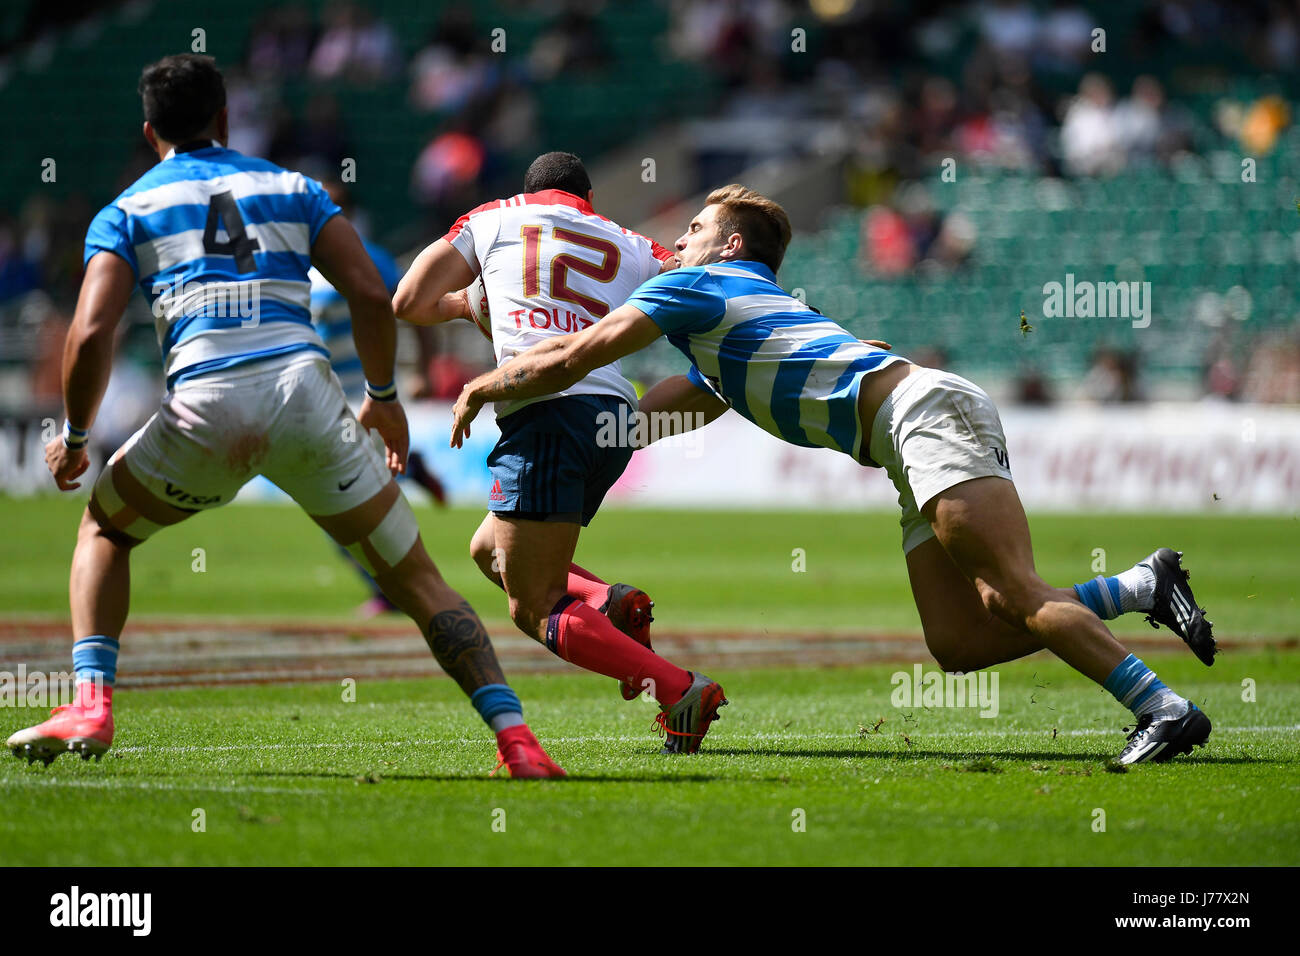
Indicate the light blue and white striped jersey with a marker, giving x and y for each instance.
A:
(782, 365)
(220, 244)
(333, 322)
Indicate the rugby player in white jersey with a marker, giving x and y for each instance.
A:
(552, 266)
(221, 244)
(801, 377)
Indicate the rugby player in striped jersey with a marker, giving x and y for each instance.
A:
(803, 378)
(221, 245)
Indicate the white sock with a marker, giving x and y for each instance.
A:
(511, 718)
(1163, 703)
(1137, 589)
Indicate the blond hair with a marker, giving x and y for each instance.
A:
(762, 223)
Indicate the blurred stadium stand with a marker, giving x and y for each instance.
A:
(1123, 165)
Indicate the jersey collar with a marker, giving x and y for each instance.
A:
(753, 265)
(192, 146)
(558, 197)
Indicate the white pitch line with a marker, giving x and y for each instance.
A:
(117, 784)
(625, 738)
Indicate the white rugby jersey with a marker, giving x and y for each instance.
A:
(551, 266)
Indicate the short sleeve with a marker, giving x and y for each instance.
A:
(320, 208)
(697, 379)
(108, 232)
(683, 300)
(660, 252)
(461, 234)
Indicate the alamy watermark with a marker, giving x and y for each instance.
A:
(42, 690)
(676, 429)
(218, 300)
(1100, 300)
(922, 688)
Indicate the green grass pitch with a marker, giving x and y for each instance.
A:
(800, 770)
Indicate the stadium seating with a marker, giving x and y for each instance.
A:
(1192, 236)
(87, 77)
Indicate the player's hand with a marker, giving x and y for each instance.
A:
(389, 419)
(65, 464)
(465, 411)
(878, 344)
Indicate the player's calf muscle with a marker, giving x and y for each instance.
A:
(461, 645)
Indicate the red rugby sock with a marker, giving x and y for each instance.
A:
(586, 587)
(580, 634)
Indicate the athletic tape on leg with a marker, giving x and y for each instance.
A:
(391, 540)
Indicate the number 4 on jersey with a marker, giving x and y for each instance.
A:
(222, 210)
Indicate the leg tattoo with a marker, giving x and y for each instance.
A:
(459, 642)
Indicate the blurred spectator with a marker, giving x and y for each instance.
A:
(446, 175)
(1111, 378)
(1273, 374)
(449, 375)
(355, 46)
(953, 246)
(1222, 379)
(1147, 128)
(1090, 142)
(281, 42)
(1032, 389)
(887, 247)
(1277, 43)
(930, 356)
(1065, 40)
(1009, 27)
(1265, 120)
(317, 139)
(51, 326)
(252, 114)
(451, 70)
(572, 43)
(20, 271)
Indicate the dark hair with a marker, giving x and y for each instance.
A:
(558, 171)
(181, 95)
(762, 223)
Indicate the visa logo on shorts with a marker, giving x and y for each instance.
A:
(182, 497)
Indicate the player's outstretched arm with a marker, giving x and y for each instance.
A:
(679, 405)
(432, 291)
(88, 359)
(555, 364)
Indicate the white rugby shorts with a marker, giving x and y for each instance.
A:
(933, 431)
(286, 420)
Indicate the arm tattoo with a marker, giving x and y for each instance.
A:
(459, 642)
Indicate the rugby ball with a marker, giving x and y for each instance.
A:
(478, 307)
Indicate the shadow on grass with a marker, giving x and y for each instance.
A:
(919, 753)
(574, 776)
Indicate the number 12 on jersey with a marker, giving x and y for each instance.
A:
(604, 271)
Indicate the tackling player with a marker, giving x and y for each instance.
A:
(801, 377)
(221, 244)
(551, 266)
